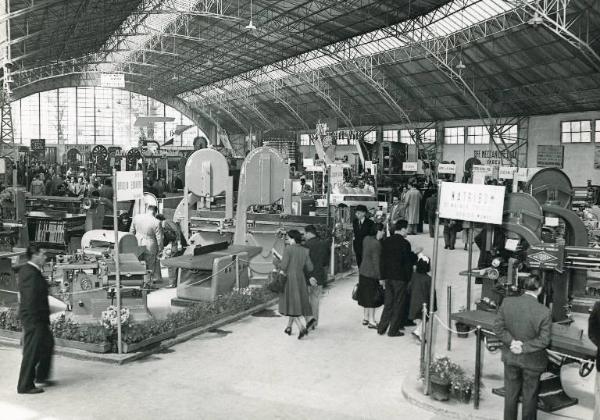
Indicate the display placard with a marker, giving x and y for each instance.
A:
(112, 80)
(38, 145)
(446, 168)
(507, 172)
(550, 156)
(480, 172)
(2, 166)
(308, 162)
(410, 166)
(472, 202)
(336, 175)
(129, 185)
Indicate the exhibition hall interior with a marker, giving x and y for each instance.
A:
(299, 209)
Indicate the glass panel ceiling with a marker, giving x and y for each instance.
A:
(459, 15)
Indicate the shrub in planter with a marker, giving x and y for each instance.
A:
(441, 372)
(462, 387)
(9, 320)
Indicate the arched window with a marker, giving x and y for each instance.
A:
(96, 115)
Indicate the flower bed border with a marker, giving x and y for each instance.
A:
(179, 335)
(61, 342)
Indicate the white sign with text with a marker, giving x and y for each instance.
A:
(410, 166)
(472, 202)
(129, 185)
(112, 80)
(447, 168)
(507, 172)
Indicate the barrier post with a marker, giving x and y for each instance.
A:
(449, 313)
(476, 386)
(423, 339)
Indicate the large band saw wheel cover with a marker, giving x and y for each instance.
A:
(195, 172)
(527, 208)
(544, 182)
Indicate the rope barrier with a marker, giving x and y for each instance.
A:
(9, 291)
(446, 327)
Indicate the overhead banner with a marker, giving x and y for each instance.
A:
(129, 185)
(507, 172)
(472, 202)
(410, 166)
(446, 168)
(112, 80)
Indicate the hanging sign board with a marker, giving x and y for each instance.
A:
(446, 168)
(38, 145)
(112, 80)
(129, 185)
(410, 166)
(507, 172)
(550, 156)
(472, 202)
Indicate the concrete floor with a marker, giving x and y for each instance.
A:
(251, 370)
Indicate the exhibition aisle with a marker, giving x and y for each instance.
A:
(342, 370)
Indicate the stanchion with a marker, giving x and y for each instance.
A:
(432, 291)
(469, 264)
(423, 340)
(476, 387)
(449, 313)
(117, 268)
(237, 272)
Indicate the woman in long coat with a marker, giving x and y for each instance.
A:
(369, 275)
(294, 301)
(413, 204)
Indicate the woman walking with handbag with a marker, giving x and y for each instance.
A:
(294, 301)
(369, 292)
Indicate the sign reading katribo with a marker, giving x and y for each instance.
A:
(472, 202)
(130, 185)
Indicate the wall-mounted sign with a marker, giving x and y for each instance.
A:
(112, 80)
(472, 202)
(495, 157)
(38, 145)
(446, 168)
(410, 166)
(507, 172)
(550, 156)
(129, 185)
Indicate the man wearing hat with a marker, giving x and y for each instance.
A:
(362, 227)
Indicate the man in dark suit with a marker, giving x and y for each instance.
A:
(362, 227)
(594, 334)
(34, 311)
(523, 325)
(397, 266)
(319, 253)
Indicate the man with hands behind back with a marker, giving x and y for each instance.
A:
(524, 326)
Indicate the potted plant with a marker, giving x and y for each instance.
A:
(462, 387)
(441, 372)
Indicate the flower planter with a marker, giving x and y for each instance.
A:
(440, 390)
(463, 330)
(133, 347)
(91, 347)
(464, 396)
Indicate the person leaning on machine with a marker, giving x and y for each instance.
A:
(524, 326)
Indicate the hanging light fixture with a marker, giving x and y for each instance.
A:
(250, 24)
(461, 65)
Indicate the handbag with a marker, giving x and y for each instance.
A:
(380, 296)
(277, 280)
(354, 292)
